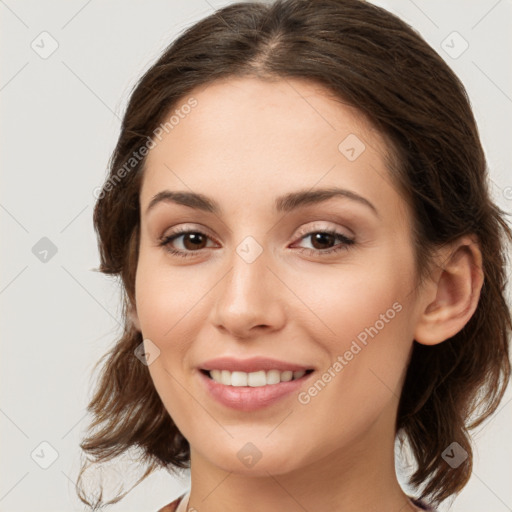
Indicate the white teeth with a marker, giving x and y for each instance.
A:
(239, 379)
(254, 379)
(273, 377)
(216, 375)
(226, 377)
(286, 376)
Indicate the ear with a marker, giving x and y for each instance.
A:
(451, 295)
(133, 316)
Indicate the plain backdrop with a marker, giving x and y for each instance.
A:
(66, 71)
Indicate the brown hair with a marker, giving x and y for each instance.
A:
(375, 62)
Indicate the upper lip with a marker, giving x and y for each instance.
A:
(252, 364)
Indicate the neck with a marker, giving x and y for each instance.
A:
(359, 477)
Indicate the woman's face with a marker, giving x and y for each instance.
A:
(272, 268)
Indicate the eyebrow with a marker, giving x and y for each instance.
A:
(285, 203)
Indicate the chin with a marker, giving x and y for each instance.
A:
(252, 459)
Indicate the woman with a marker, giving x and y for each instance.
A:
(313, 268)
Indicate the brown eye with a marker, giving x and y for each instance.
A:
(186, 243)
(325, 243)
(322, 240)
(193, 241)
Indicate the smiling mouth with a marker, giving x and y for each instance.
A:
(254, 379)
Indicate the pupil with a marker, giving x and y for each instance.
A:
(321, 238)
(195, 238)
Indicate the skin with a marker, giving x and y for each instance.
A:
(246, 143)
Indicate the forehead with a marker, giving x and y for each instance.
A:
(248, 110)
(253, 135)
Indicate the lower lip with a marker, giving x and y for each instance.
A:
(246, 398)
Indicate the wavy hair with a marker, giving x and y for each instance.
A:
(375, 62)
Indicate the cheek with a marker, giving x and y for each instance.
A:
(166, 303)
(164, 297)
(351, 300)
(364, 312)
(172, 306)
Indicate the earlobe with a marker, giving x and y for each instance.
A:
(456, 291)
(134, 317)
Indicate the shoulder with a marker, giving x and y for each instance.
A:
(171, 507)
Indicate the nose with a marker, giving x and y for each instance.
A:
(249, 300)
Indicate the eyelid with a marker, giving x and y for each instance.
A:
(186, 228)
(323, 226)
(304, 232)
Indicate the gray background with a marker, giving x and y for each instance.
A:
(60, 118)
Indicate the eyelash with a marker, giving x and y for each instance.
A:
(346, 242)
